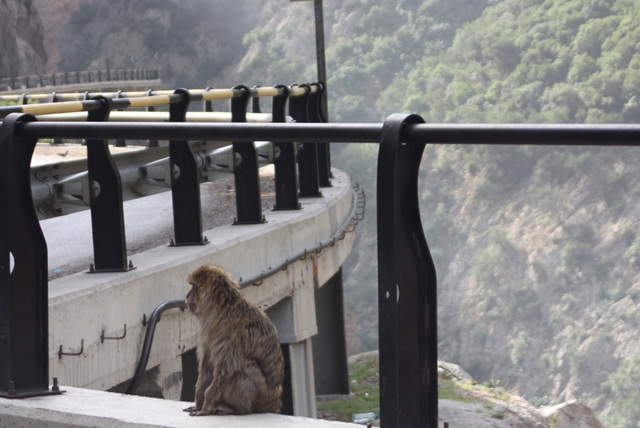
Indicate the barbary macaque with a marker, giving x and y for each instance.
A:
(240, 364)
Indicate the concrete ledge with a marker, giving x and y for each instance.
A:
(88, 408)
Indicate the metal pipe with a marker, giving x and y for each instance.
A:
(148, 341)
(532, 134)
(155, 116)
(197, 94)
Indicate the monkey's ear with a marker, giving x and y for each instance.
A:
(200, 276)
(215, 276)
(231, 283)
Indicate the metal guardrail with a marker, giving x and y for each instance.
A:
(77, 77)
(406, 274)
(65, 187)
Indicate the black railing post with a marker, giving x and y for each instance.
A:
(208, 104)
(105, 196)
(284, 159)
(314, 107)
(255, 102)
(185, 182)
(308, 153)
(406, 287)
(53, 98)
(24, 303)
(245, 166)
(151, 142)
(120, 142)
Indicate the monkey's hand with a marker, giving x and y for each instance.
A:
(191, 409)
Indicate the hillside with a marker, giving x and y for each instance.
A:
(189, 41)
(537, 248)
(21, 32)
(463, 402)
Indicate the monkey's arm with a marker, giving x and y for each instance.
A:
(224, 365)
(205, 375)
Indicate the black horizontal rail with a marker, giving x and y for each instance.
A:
(534, 134)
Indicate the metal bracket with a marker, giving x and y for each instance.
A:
(103, 337)
(73, 354)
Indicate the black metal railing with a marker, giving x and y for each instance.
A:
(77, 77)
(407, 282)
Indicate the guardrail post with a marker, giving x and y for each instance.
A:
(185, 182)
(406, 287)
(284, 159)
(208, 104)
(53, 98)
(24, 303)
(308, 154)
(105, 197)
(120, 142)
(322, 149)
(245, 168)
(255, 102)
(151, 142)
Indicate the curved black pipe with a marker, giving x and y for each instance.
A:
(148, 340)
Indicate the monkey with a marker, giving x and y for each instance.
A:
(240, 363)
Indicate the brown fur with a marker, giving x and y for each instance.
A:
(240, 364)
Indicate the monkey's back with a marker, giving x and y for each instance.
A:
(242, 332)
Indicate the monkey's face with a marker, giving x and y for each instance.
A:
(191, 298)
(201, 298)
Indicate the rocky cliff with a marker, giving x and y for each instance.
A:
(192, 43)
(21, 32)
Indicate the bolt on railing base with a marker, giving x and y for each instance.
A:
(12, 393)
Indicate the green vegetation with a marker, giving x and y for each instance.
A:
(623, 384)
(364, 381)
(532, 245)
(485, 61)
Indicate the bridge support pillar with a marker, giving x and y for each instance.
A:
(329, 345)
(301, 399)
(295, 319)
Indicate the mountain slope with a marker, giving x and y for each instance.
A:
(536, 248)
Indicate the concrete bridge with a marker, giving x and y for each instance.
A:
(97, 321)
(89, 80)
(87, 308)
(289, 265)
